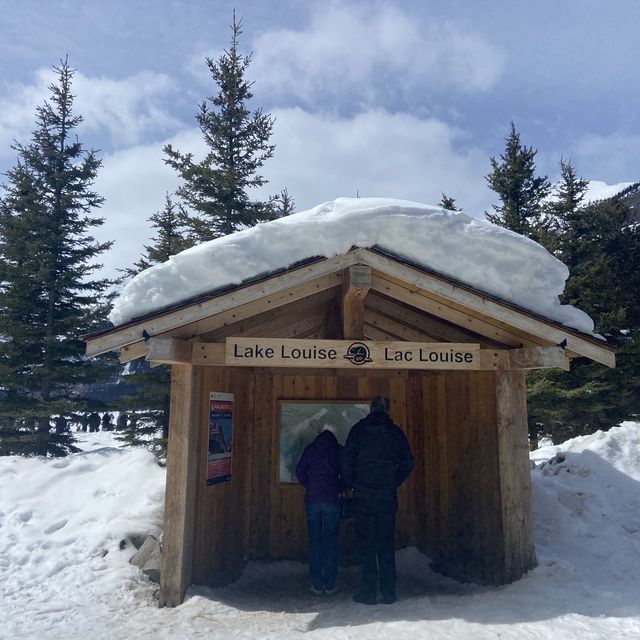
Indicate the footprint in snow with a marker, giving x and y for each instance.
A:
(55, 527)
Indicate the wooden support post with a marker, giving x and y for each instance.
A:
(180, 492)
(514, 473)
(356, 285)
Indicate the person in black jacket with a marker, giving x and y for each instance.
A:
(376, 461)
(318, 471)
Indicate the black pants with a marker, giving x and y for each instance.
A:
(377, 551)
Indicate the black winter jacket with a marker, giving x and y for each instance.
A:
(376, 461)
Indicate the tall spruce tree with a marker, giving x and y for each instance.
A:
(521, 192)
(215, 191)
(600, 244)
(565, 215)
(49, 295)
(148, 408)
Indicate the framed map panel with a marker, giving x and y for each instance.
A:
(301, 421)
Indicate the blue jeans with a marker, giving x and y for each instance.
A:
(323, 524)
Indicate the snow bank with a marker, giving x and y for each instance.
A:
(61, 522)
(485, 256)
(587, 519)
(58, 517)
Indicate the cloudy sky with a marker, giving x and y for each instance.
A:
(398, 99)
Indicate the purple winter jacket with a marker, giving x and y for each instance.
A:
(318, 470)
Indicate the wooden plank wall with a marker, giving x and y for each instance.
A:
(461, 525)
(450, 507)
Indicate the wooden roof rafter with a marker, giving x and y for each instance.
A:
(438, 329)
(428, 305)
(477, 311)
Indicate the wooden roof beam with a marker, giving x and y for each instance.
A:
(417, 300)
(356, 283)
(253, 298)
(539, 358)
(484, 309)
(167, 350)
(439, 329)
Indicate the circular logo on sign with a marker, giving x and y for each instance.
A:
(358, 353)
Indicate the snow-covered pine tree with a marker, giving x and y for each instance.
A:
(49, 295)
(215, 190)
(521, 192)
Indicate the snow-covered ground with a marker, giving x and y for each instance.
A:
(63, 575)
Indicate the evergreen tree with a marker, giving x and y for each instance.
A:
(215, 191)
(49, 296)
(601, 246)
(148, 408)
(449, 203)
(564, 213)
(283, 204)
(521, 192)
(169, 239)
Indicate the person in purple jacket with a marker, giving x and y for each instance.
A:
(318, 471)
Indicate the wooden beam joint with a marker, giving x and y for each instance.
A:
(168, 350)
(356, 285)
(539, 358)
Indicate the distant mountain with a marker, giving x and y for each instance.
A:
(626, 192)
(599, 190)
(631, 197)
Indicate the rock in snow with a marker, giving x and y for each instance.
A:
(148, 558)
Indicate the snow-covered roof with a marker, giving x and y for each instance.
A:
(486, 257)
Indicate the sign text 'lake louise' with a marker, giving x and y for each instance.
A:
(274, 352)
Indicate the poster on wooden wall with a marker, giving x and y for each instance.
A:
(220, 437)
(301, 421)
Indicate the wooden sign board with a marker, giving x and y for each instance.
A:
(351, 354)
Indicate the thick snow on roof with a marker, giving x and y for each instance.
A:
(487, 257)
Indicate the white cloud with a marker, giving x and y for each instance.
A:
(133, 182)
(322, 157)
(125, 110)
(17, 112)
(371, 53)
(608, 157)
(318, 158)
(129, 108)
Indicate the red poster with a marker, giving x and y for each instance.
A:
(220, 437)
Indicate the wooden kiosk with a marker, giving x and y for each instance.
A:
(451, 359)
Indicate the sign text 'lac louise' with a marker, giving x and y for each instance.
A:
(274, 352)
